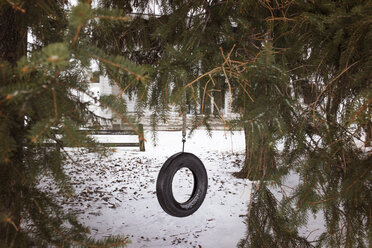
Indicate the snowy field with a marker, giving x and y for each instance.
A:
(116, 195)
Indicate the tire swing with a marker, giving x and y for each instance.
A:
(164, 181)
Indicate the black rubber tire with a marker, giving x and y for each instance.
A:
(164, 184)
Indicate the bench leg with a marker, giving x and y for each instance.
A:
(141, 139)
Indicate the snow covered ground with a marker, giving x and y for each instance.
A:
(116, 195)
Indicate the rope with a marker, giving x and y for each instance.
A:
(183, 125)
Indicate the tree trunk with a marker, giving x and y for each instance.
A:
(13, 45)
(368, 130)
(259, 160)
(13, 35)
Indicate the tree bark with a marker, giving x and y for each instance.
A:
(260, 162)
(13, 45)
(13, 35)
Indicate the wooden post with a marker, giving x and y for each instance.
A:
(141, 139)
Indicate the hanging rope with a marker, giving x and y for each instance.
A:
(183, 125)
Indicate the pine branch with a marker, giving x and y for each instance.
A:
(16, 7)
(137, 76)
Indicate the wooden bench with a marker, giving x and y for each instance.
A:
(139, 132)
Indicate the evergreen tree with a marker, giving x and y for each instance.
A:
(265, 114)
(271, 223)
(39, 105)
(201, 51)
(326, 48)
(299, 72)
(184, 41)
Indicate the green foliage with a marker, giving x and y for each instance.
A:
(187, 41)
(41, 113)
(298, 73)
(270, 224)
(80, 15)
(265, 108)
(327, 144)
